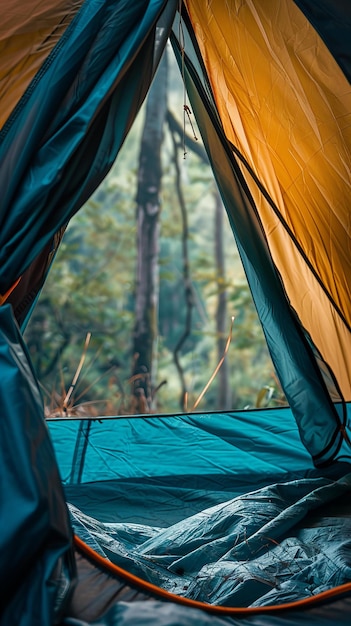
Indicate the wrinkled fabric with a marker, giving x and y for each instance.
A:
(217, 62)
(279, 544)
(36, 565)
(156, 613)
(284, 105)
(65, 131)
(249, 445)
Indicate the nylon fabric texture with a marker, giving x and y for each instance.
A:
(37, 567)
(285, 105)
(291, 351)
(71, 123)
(250, 551)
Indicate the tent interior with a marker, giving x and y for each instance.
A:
(207, 518)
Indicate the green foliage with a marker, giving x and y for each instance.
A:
(89, 289)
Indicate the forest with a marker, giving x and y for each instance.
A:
(146, 308)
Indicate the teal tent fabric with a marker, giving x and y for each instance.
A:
(67, 129)
(188, 502)
(332, 20)
(156, 613)
(36, 565)
(250, 446)
(263, 548)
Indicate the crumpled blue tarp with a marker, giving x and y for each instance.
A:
(278, 544)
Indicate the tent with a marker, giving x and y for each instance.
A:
(237, 518)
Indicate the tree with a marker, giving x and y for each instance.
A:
(187, 285)
(224, 396)
(148, 211)
(82, 295)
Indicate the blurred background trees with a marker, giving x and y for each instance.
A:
(150, 268)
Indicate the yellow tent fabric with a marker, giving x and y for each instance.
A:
(26, 39)
(286, 106)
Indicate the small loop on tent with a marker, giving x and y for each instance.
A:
(4, 297)
(345, 435)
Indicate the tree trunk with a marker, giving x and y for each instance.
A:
(188, 291)
(224, 396)
(148, 211)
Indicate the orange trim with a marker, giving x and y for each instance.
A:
(210, 608)
(6, 295)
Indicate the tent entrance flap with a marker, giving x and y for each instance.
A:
(37, 565)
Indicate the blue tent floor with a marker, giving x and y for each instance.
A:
(311, 554)
(279, 543)
(194, 506)
(157, 613)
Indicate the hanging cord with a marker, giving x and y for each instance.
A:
(186, 109)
